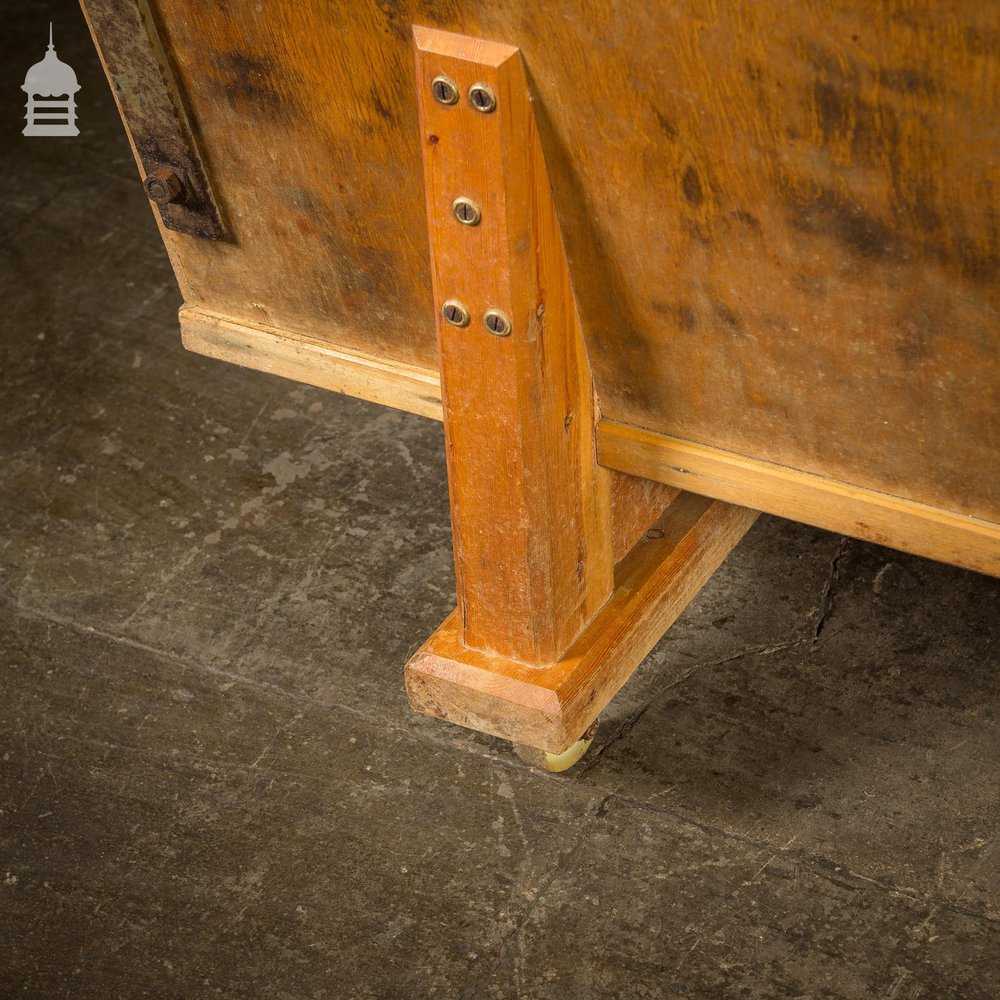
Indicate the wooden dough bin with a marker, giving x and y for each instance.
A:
(657, 266)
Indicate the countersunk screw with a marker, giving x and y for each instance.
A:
(444, 90)
(466, 211)
(482, 98)
(454, 312)
(163, 185)
(497, 322)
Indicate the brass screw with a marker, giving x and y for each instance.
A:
(444, 90)
(163, 185)
(482, 98)
(466, 211)
(497, 322)
(454, 312)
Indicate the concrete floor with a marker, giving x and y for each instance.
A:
(211, 784)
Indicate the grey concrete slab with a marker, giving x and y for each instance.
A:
(652, 908)
(171, 830)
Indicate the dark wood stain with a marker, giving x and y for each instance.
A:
(253, 82)
(691, 184)
(748, 219)
(681, 313)
(730, 321)
(908, 80)
(668, 127)
(832, 215)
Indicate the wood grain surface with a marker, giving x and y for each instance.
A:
(530, 506)
(781, 219)
(878, 517)
(317, 362)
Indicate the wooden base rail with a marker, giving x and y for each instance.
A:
(850, 510)
(303, 359)
(962, 540)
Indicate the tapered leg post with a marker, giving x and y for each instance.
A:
(544, 633)
(530, 505)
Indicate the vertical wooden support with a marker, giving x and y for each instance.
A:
(530, 506)
(547, 627)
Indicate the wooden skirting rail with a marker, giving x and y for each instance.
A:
(850, 510)
(265, 349)
(962, 540)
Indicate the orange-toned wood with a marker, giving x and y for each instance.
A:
(530, 507)
(635, 504)
(549, 707)
(542, 636)
(781, 218)
(928, 531)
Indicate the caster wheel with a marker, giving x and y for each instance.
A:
(554, 763)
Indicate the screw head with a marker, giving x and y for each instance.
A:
(482, 98)
(163, 185)
(455, 313)
(444, 89)
(466, 211)
(497, 322)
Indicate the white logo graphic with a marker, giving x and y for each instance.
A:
(51, 86)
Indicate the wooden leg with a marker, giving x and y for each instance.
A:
(530, 505)
(547, 628)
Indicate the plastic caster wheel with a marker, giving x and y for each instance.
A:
(554, 763)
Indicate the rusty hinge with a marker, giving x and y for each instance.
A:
(136, 64)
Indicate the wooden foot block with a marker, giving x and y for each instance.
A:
(550, 706)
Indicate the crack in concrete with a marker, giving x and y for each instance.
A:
(562, 866)
(595, 754)
(827, 597)
(54, 618)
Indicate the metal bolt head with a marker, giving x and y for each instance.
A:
(163, 185)
(497, 322)
(466, 211)
(482, 98)
(455, 313)
(444, 89)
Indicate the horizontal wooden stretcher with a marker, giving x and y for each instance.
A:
(657, 267)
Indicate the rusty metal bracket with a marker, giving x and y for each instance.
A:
(136, 65)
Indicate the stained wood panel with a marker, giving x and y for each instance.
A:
(782, 219)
